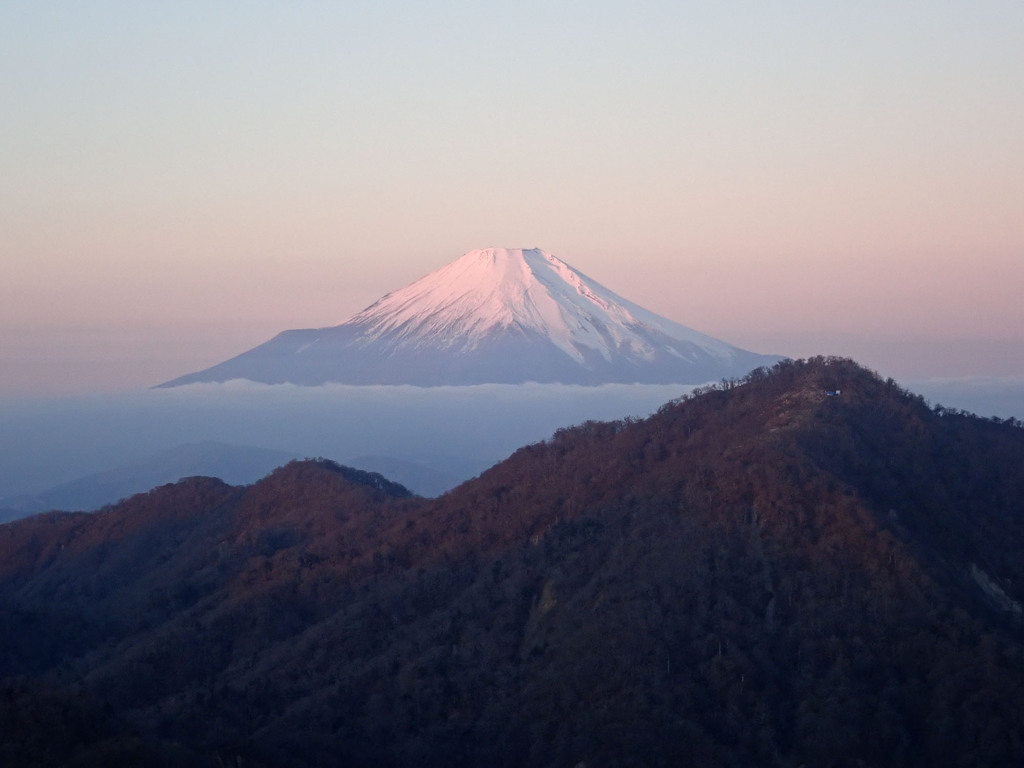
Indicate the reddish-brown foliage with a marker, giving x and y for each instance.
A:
(761, 574)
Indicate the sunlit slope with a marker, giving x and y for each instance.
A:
(495, 315)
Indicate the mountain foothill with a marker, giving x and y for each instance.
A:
(807, 565)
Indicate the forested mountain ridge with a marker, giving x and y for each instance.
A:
(806, 566)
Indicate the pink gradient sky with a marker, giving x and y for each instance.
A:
(178, 184)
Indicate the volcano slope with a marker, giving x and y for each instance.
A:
(809, 566)
(494, 315)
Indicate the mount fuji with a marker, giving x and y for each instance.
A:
(495, 315)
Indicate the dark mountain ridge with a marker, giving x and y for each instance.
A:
(806, 566)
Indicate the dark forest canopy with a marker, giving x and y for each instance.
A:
(806, 566)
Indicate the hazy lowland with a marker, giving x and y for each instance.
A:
(458, 431)
(452, 433)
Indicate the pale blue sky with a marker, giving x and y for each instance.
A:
(178, 182)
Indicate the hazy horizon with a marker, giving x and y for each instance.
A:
(457, 430)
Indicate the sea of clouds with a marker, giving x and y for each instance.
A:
(455, 431)
(458, 431)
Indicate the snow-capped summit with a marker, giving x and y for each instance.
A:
(498, 290)
(494, 315)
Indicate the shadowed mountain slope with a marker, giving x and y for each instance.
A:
(809, 566)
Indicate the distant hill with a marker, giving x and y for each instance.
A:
(7, 514)
(495, 315)
(236, 464)
(417, 477)
(808, 566)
